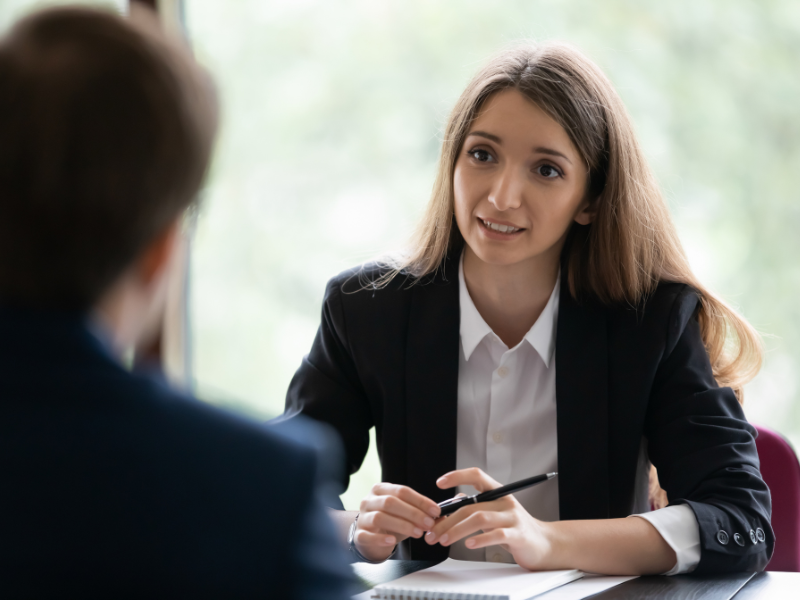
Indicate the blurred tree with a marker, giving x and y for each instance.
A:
(10, 10)
(332, 111)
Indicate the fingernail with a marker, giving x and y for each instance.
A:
(434, 512)
(389, 539)
(428, 522)
(431, 536)
(417, 531)
(470, 543)
(443, 539)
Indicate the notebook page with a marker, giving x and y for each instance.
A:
(460, 579)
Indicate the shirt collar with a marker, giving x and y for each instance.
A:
(473, 329)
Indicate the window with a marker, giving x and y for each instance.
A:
(332, 115)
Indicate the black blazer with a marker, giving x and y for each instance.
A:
(389, 358)
(114, 485)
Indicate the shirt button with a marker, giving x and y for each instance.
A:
(502, 371)
(753, 537)
(738, 539)
(722, 537)
(497, 437)
(760, 535)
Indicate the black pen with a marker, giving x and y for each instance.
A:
(453, 504)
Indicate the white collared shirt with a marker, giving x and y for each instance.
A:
(507, 427)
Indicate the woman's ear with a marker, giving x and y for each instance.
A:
(586, 213)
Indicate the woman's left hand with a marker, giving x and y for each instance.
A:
(504, 522)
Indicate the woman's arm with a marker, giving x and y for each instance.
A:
(610, 546)
(705, 452)
(327, 387)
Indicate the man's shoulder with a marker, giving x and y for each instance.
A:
(176, 414)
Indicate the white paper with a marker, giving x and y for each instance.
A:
(497, 581)
(587, 586)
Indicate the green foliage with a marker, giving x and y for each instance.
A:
(332, 115)
(332, 112)
(10, 10)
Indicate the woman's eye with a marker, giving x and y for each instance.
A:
(548, 171)
(480, 155)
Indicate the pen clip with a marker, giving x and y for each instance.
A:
(455, 500)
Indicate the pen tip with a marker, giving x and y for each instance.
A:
(551, 475)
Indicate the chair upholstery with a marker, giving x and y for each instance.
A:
(781, 472)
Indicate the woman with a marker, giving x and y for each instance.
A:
(546, 242)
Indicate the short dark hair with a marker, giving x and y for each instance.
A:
(106, 132)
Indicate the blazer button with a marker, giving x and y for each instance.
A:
(738, 539)
(760, 536)
(753, 537)
(722, 537)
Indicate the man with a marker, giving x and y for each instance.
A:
(113, 484)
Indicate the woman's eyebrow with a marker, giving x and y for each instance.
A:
(488, 136)
(551, 152)
(539, 149)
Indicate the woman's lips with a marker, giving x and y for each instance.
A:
(499, 231)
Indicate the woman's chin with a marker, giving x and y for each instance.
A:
(499, 257)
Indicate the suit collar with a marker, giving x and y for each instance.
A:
(432, 348)
(582, 408)
(33, 336)
(472, 327)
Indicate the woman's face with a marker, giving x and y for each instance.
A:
(519, 183)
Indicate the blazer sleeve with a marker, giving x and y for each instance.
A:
(327, 388)
(705, 452)
(318, 566)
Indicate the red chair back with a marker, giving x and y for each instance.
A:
(781, 472)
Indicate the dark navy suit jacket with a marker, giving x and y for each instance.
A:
(388, 358)
(114, 485)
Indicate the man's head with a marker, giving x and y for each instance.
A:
(106, 130)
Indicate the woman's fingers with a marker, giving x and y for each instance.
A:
(395, 506)
(409, 496)
(390, 514)
(474, 477)
(467, 521)
(384, 522)
(369, 538)
(495, 537)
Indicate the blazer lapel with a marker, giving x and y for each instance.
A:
(582, 408)
(432, 390)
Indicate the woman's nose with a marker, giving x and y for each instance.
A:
(507, 190)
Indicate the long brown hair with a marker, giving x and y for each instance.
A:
(632, 243)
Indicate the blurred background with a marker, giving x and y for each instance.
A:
(332, 113)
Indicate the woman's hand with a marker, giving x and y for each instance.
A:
(609, 546)
(504, 522)
(390, 514)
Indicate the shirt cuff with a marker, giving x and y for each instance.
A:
(678, 526)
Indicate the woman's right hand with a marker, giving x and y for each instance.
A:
(390, 514)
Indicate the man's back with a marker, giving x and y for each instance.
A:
(113, 484)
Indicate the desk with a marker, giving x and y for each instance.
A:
(740, 586)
